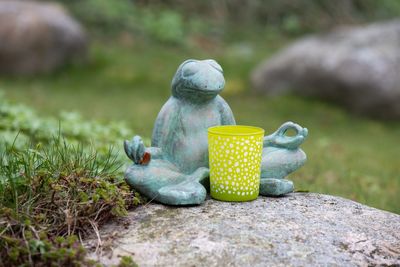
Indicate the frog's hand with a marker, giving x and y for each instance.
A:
(281, 140)
(135, 150)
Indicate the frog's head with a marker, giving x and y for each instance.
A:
(198, 80)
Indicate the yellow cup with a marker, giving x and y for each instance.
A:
(235, 153)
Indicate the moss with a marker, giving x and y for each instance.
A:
(127, 262)
(54, 192)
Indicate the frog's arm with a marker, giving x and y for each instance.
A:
(166, 121)
(136, 149)
(155, 152)
(227, 117)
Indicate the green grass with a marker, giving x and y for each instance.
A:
(128, 79)
(60, 179)
(51, 196)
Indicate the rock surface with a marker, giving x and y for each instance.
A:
(357, 67)
(37, 37)
(300, 230)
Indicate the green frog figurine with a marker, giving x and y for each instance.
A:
(174, 170)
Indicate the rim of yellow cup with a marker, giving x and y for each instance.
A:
(238, 130)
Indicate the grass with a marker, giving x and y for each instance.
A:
(128, 79)
(51, 197)
(57, 185)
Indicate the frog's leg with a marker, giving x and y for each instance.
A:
(162, 181)
(281, 156)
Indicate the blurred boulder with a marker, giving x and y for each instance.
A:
(357, 67)
(37, 37)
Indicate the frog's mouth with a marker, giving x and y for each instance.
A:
(196, 93)
(209, 92)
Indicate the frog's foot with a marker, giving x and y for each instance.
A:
(188, 192)
(275, 187)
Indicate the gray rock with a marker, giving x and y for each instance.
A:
(299, 230)
(357, 67)
(37, 37)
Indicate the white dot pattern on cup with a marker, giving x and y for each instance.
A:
(235, 164)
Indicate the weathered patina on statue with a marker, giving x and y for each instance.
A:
(174, 170)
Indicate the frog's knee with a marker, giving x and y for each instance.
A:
(278, 163)
(136, 176)
(148, 179)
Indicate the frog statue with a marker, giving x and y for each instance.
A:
(174, 170)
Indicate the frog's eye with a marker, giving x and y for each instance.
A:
(215, 65)
(189, 69)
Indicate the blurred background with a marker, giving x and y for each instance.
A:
(114, 60)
